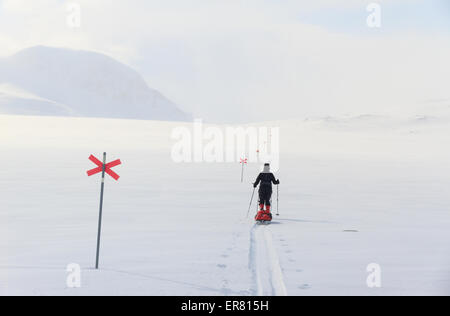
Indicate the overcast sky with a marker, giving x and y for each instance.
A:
(253, 60)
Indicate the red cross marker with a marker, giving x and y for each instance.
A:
(243, 162)
(104, 168)
(108, 167)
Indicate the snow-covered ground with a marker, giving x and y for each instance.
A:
(353, 192)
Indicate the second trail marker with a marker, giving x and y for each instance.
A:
(104, 168)
(244, 161)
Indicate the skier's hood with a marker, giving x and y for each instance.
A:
(266, 168)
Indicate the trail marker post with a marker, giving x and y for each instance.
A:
(104, 168)
(244, 161)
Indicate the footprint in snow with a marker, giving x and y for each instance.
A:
(304, 287)
(222, 266)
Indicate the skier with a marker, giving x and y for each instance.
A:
(266, 178)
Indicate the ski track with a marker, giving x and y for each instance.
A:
(264, 263)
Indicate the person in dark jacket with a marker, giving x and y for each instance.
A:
(266, 178)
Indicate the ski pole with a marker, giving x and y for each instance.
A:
(278, 200)
(251, 201)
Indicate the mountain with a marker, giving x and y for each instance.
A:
(62, 82)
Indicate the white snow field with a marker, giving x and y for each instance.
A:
(353, 192)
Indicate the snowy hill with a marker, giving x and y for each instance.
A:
(62, 82)
(347, 199)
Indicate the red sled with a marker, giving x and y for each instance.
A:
(263, 216)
